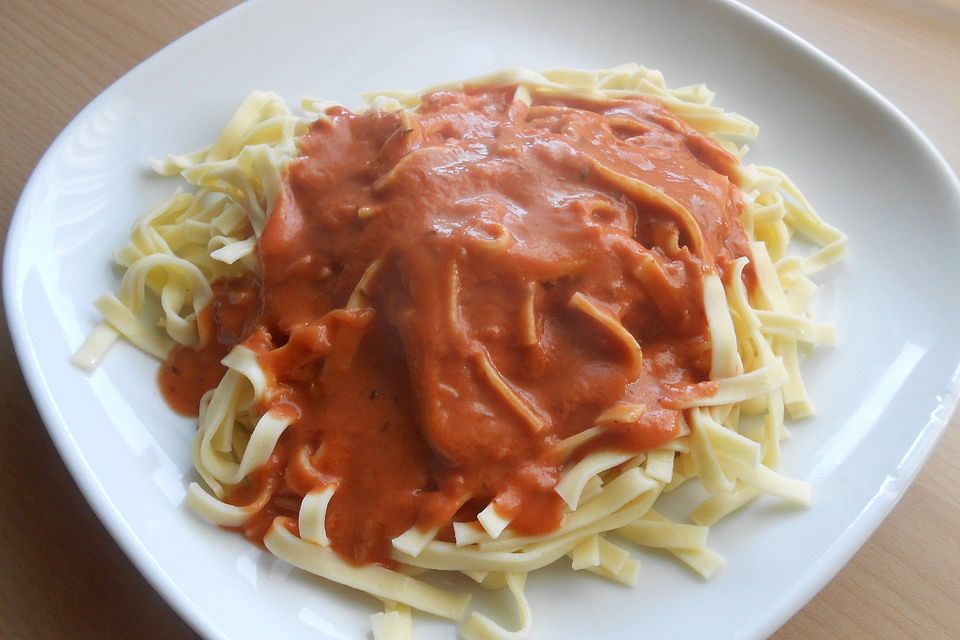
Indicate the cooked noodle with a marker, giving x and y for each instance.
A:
(756, 331)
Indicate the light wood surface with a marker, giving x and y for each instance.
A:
(62, 576)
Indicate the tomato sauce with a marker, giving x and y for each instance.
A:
(482, 217)
(225, 322)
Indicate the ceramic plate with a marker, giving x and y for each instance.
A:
(883, 395)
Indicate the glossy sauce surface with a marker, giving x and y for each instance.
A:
(414, 305)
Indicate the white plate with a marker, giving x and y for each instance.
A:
(884, 395)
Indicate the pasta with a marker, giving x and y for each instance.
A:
(672, 323)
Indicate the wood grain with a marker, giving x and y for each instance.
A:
(62, 576)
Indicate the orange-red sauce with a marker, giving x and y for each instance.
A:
(229, 318)
(390, 400)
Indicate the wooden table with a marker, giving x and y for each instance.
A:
(62, 576)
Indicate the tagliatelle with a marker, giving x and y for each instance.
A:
(719, 300)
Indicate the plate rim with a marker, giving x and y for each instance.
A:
(827, 565)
